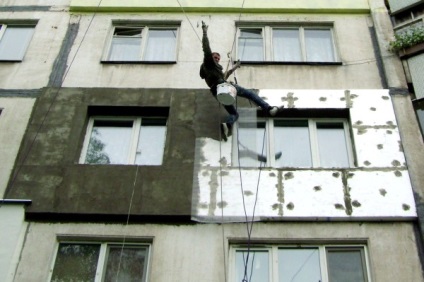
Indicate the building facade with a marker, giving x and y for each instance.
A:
(116, 169)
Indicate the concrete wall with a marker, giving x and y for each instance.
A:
(53, 178)
(195, 252)
(351, 6)
(14, 117)
(352, 35)
(12, 233)
(40, 60)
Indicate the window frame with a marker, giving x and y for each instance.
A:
(323, 249)
(145, 32)
(268, 41)
(103, 255)
(135, 133)
(313, 139)
(6, 25)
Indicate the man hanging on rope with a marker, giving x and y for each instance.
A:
(212, 72)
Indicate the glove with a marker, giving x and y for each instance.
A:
(204, 27)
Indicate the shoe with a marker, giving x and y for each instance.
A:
(274, 110)
(278, 155)
(224, 131)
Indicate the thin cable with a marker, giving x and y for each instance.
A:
(235, 33)
(126, 225)
(222, 203)
(189, 21)
(12, 182)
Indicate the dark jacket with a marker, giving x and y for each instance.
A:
(210, 71)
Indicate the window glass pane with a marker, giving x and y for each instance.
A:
(299, 265)
(76, 262)
(126, 264)
(252, 144)
(14, 42)
(161, 45)
(345, 265)
(151, 142)
(332, 145)
(250, 45)
(419, 107)
(257, 266)
(109, 142)
(286, 45)
(319, 45)
(292, 139)
(126, 45)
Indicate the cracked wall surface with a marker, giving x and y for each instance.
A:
(376, 187)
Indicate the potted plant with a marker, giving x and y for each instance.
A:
(409, 42)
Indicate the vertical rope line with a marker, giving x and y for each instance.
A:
(126, 225)
(25, 156)
(222, 201)
(189, 21)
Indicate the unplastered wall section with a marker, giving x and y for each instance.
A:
(378, 186)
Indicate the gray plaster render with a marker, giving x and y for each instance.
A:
(392, 253)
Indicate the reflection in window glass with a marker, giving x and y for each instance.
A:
(76, 262)
(257, 263)
(250, 45)
(292, 139)
(286, 45)
(161, 45)
(298, 265)
(345, 265)
(15, 41)
(109, 142)
(151, 141)
(319, 45)
(252, 144)
(126, 44)
(126, 264)
(332, 145)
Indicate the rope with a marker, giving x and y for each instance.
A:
(12, 182)
(189, 22)
(126, 225)
(222, 203)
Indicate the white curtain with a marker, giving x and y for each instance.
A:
(14, 42)
(286, 45)
(161, 45)
(319, 45)
(250, 45)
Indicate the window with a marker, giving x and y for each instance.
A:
(306, 263)
(124, 140)
(294, 142)
(411, 14)
(139, 43)
(14, 41)
(419, 109)
(287, 44)
(100, 262)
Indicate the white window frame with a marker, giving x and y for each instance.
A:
(101, 263)
(268, 44)
(144, 40)
(273, 257)
(4, 27)
(136, 128)
(312, 126)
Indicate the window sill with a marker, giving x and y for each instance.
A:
(10, 61)
(139, 62)
(292, 63)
